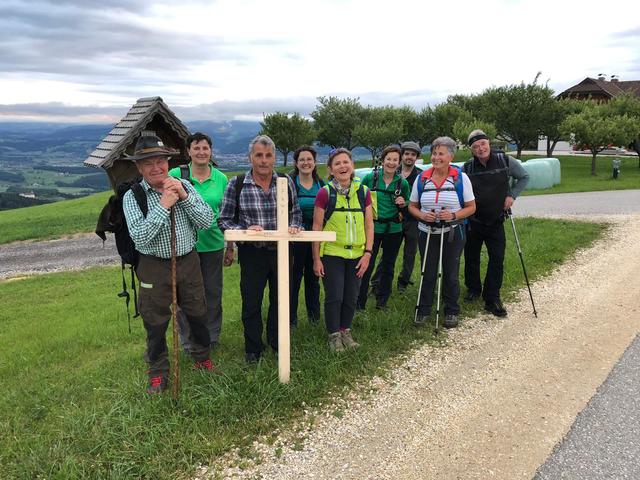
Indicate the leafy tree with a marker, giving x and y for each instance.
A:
(595, 128)
(445, 115)
(382, 126)
(288, 131)
(418, 126)
(628, 104)
(517, 111)
(335, 120)
(553, 118)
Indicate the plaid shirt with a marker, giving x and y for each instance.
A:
(152, 235)
(258, 207)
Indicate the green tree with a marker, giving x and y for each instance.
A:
(382, 126)
(335, 119)
(553, 118)
(517, 111)
(288, 131)
(595, 129)
(445, 115)
(417, 126)
(628, 104)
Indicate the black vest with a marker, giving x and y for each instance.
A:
(490, 187)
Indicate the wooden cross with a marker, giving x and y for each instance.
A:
(283, 237)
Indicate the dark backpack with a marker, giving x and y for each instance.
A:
(240, 184)
(333, 200)
(112, 220)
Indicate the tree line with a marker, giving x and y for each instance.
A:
(516, 114)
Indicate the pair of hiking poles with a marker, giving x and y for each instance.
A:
(441, 225)
(438, 225)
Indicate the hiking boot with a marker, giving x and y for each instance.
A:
(203, 364)
(374, 289)
(347, 339)
(471, 296)
(157, 385)
(381, 304)
(335, 342)
(496, 308)
(450, 321)
(402, 286)
(420, 320)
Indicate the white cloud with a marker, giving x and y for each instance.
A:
(233, 52)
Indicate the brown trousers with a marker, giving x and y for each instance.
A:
(155, 307)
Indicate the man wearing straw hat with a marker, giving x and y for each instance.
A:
(151, 234)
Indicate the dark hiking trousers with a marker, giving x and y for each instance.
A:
(451, 252)
(303, 268)
(493, 237)
(155, 307)
(258, 265)
(410, 237)
(341, 286)
(390, 243)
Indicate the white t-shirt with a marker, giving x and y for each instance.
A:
(431, 199)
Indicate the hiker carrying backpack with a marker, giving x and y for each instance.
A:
(390, 188)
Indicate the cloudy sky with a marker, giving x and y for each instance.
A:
(88, 61)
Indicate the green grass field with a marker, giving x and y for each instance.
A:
(72, 403)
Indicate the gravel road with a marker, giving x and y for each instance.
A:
(493, 402)
(74, 253)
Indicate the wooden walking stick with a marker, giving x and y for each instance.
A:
(175, 369)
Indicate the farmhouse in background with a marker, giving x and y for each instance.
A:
(601, 89)
(149, 113)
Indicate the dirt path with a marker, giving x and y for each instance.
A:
(496, 399)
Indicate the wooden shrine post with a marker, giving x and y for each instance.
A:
(283, 237)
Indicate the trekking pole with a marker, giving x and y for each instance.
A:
(175, 368)
(524, 270)
(441, 224)
(424, 264)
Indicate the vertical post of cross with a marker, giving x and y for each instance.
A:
(284, 341)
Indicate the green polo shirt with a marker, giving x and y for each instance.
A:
(211, 190)
(386, 201)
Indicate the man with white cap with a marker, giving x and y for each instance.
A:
(491, 174)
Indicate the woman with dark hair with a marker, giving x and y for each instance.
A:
(210, 183)
(392, 195)
(342, 206)
(308, 183)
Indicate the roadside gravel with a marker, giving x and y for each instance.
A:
(492, 402)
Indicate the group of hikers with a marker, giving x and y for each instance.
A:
(441, 211)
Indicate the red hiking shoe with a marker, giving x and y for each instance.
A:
(157, 385)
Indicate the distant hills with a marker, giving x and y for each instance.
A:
(64, 144)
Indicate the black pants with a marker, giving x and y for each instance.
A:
(493, 237)
(390, 243)
(340, 291)
(257, 267)
(303, 267)
(451, 252)
(410, 236)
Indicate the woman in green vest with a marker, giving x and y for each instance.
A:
(342, 206)
(392, 194)
(308, 183)
(210, 183)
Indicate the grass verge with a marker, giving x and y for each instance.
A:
(72, 403)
